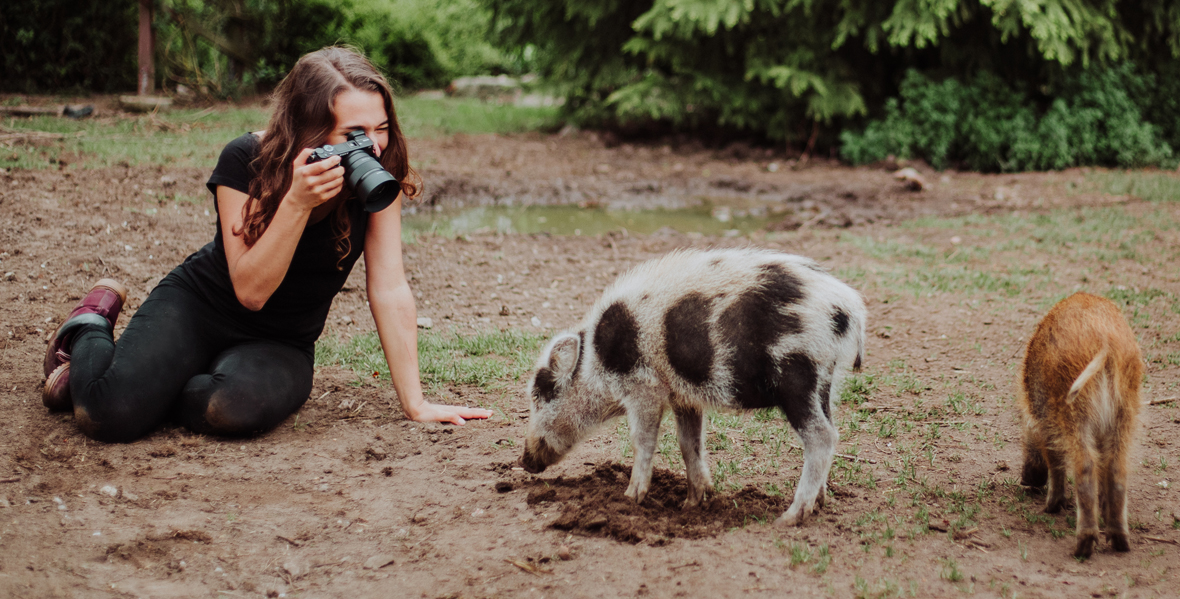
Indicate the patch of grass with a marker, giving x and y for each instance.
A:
(1153, 187)
(857, 389)
(1135, 297)
(721, 474)
(800, 554)
(823, 560)
(950, 570)
(490, 360)
(440, 117)
(187, 137)
(195, 137)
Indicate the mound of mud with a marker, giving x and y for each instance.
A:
(594, 505)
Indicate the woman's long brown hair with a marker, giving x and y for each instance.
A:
(304, 116)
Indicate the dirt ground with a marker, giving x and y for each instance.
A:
(348, 499)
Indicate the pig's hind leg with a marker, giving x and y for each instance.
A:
(819, 437)
(690, 429)
(644, 421)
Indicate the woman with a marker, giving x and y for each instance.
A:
(225, 343)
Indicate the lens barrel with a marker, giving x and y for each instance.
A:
(373, 185)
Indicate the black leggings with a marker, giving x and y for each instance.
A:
(179, 358)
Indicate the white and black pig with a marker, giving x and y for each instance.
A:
(732, 328)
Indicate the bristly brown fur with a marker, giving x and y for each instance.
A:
(1085, 345)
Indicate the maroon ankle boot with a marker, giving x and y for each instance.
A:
(101, 306)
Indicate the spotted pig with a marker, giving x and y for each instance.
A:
(730, 328)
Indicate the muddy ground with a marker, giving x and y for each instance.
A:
(347, 498)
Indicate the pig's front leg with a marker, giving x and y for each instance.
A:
(690, 429)
(644, 421)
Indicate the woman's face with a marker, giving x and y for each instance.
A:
(365, 110)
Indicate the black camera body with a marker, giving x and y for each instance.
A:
(372, 184)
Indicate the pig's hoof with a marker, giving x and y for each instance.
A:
(693, 501)
(634, 494)
(1086, 542)
(790, 518)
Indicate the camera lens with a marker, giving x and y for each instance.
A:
(373, 185)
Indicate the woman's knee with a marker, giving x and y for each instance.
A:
(111, 424)
(227, 409)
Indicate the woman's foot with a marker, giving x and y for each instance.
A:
(101, 306)
(56, 393)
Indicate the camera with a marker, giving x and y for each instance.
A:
(372, 184)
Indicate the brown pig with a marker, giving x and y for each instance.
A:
(1080, 404)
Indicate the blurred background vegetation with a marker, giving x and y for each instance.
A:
(991, 85)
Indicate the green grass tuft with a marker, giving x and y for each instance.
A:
(490, 360)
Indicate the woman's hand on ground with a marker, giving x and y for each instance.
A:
(430, 412)
(315, 183)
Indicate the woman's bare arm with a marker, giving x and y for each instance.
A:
(256, 271)
(392, 303)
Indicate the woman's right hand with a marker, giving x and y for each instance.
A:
(315, 183)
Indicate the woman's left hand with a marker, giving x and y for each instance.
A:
(430, 412)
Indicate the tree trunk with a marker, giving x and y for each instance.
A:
(147, 49)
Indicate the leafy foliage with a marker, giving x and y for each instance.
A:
(785, 69)
(54, 45)
(987, 125)
(416, 42)
(226, 47)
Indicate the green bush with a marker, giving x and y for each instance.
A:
(65, 45)
(797, 70)
(1092, 119)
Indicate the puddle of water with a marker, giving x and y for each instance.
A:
(572, 220)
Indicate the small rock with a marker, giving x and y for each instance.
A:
(109, 490)
(378, 561)
(912, 179)
(168, 180)
(1001, 466)
(536, 321)
(772, 168)
(564, 552)
(375, 453)
(130, 496)
(296, 569)
(501, 487)
(425, 323)
(504, 311)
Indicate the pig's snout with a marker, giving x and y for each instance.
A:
(538, 456)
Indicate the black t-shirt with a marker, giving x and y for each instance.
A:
(297, 310)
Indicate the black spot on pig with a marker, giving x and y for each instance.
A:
(824, 393)
(686, 335)
(750, 325)
(840, 322)
(780, 284)
(616, 339)
(796, 385)
(545, 385)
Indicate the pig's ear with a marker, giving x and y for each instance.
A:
(563, 358)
